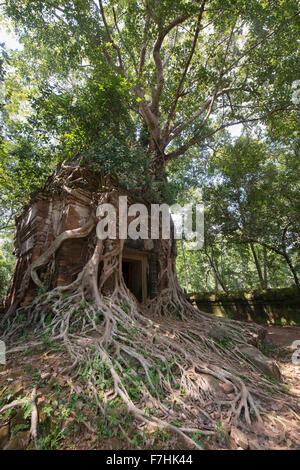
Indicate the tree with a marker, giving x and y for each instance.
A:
(189, 68)
(258, 199)
(254, 202)
(128, 87)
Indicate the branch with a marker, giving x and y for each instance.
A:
(144, 47)
(150, 112)
(195, 138)
(212, 263)
(179, 88)
(6, 227)
(158, 62)
(14, 403)
(259, 43)
(178, 128)
(122, 41)
(229, 40)
(271, 247)
(7, 224)
(114, 45)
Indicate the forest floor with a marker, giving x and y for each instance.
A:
(280, 340)
(69, 420)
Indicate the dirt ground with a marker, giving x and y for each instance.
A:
(68, 419)
(281, 339)
(282, 336)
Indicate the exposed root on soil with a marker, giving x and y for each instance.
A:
(157, 358)
(33, 435)
(34, 419)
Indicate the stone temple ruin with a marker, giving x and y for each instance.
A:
(60, 207)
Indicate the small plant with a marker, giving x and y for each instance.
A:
(27, 409)
(161, 435)
(219, 430)
(52, 440)
(36, 377)
(40, 291)
(176, 423)
(20, 427)
(196, 436)
(48, 410)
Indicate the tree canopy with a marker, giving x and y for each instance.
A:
(168, 74)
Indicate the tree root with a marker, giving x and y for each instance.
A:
(34, 415)
(13, 404)
(153, 358)
(34, 419)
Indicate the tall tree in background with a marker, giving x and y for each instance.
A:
(129, 87)
(257, 202)
(254, 203)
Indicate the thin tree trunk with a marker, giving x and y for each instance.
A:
(285, 254)
(282, 252)
(216, 283)
(265, 267)
(218, 278)
(186, 273)
(258, 268)
(290, 265)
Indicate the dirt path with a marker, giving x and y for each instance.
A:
(281, 339)
(282, 336)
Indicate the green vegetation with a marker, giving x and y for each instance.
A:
(80, 88)
(250, 191)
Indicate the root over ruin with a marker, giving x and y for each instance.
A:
(159, 356)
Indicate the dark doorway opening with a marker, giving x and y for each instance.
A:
(132, 274)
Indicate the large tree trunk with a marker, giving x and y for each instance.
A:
(265, 266)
